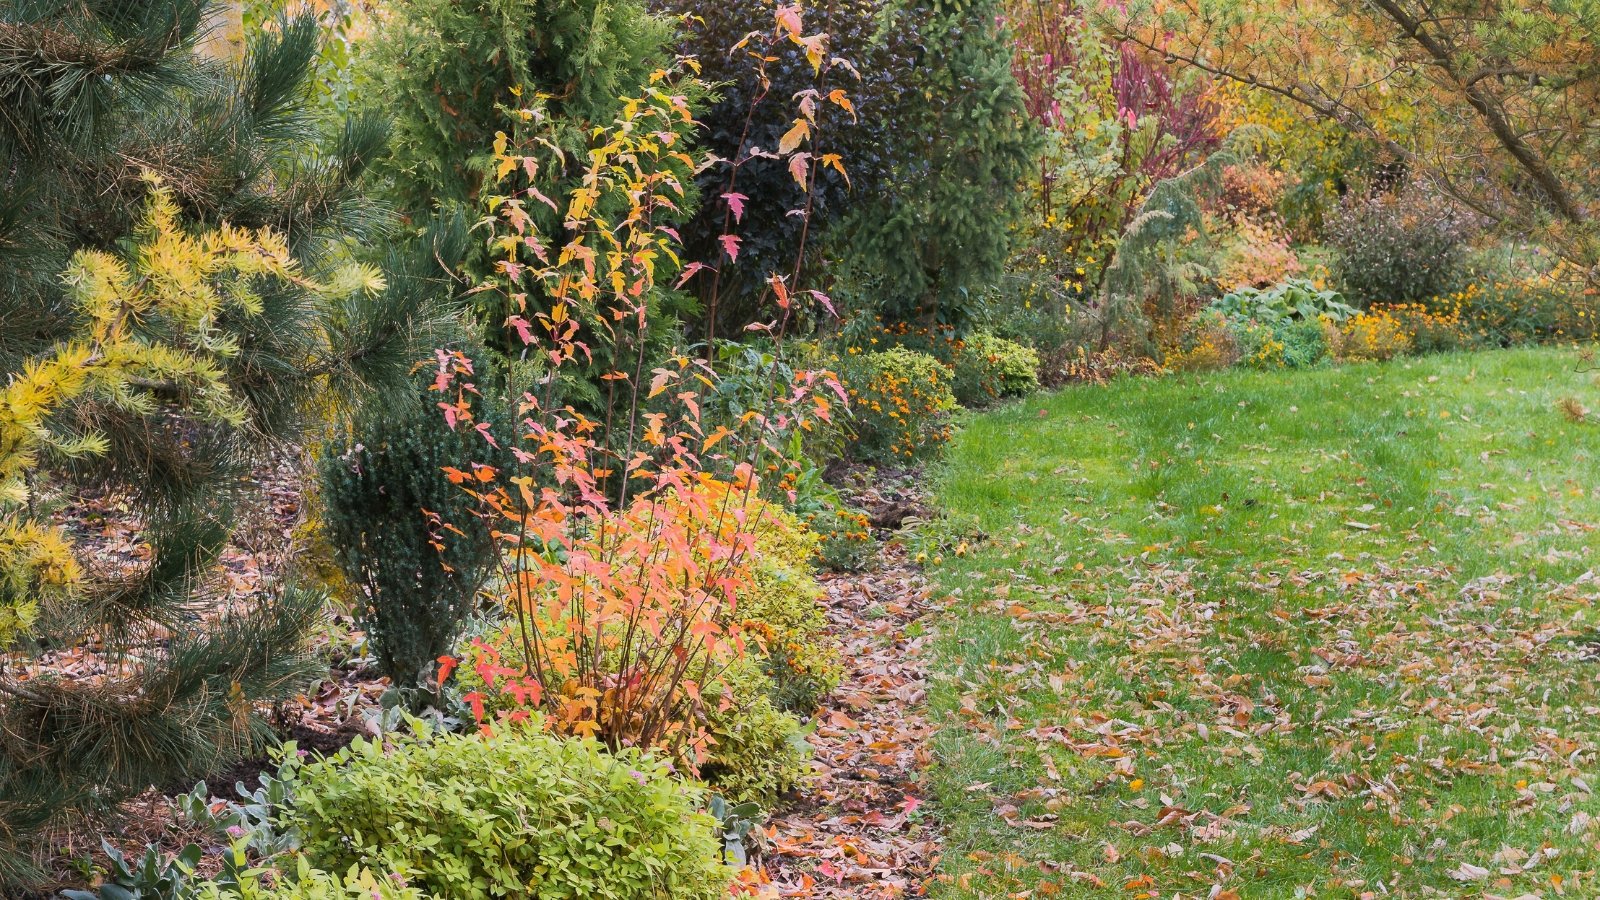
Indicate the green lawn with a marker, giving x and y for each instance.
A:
(1318, 634)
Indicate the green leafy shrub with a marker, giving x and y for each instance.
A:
(987, 367)
(307, 883)
(1293, 299)
(403, 534)
(1285, 344)
(1398, 249)
(758, 751)
(900, 401)
(518, 813)
(783, 605)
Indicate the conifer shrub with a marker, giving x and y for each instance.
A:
(194, 207)
(516, 813)
(900, 403)
(986, 367)
(402, 534)
(926, 248)
(442, 70)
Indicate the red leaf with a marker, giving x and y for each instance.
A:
(736, 203)
(688, 272)
(730, 244)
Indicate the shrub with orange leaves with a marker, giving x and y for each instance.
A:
(623, 537)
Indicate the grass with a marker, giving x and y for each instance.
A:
(1317, 634)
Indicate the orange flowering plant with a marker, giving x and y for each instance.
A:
(625, 534)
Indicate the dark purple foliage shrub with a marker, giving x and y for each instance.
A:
(752, 194)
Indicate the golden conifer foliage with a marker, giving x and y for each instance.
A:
(149, 329)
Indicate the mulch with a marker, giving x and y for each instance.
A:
(858, 829)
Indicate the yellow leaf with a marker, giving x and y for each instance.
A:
(791, 140)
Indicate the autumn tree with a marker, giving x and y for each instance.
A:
(173, 294)
(1495, 103)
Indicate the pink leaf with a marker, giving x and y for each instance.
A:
(688, 272)
(730, 245)
(797, 168)
(827, 304)
(736, 203)
(524, 330)
(483, 429)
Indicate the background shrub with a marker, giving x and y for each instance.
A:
(900, 401)
(520, 813)
(402, 534)
(987, 368)
(1505, 312)
(1401, 248)
(877, 138)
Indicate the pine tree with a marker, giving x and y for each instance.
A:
(174, 289)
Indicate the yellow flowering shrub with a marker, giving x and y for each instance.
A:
(900, 401)
(1372, 335)
(1432, 329)
(1205, 344)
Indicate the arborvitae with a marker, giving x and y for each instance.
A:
(451, 74)
(202, 225)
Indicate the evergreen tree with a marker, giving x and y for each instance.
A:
(452, 74)
(944, 232)
(172, 294)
